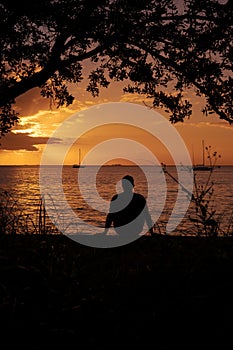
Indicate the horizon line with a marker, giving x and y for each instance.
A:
(105, 165)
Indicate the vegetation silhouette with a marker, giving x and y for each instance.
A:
(161, 47)
(206, 219)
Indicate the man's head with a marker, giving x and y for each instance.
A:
(127, 183)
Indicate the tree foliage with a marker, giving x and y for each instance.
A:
(160, 48)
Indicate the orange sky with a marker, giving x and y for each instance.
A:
(25, 144)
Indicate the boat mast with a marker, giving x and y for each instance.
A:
(79, 159)
(203, 153)
(193, 155)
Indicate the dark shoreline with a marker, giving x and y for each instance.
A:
(55, 292)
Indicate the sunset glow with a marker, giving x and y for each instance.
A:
(24, 145)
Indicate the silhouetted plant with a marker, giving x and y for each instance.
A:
(14, 218)
(229, 230)
(205, 218)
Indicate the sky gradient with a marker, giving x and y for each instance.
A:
(25, 144)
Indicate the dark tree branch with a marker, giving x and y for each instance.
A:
(149, 42)
(39, 78)
(178, 69)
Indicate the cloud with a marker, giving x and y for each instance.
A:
(134, 98)
(23, 141)
(203, 124)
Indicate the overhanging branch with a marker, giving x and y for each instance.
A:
(39, 78)
(177, 68)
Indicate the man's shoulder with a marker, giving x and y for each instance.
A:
(139, 197)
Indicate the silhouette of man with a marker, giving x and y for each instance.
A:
(128, 211)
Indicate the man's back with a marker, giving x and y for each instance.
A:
(130, 212)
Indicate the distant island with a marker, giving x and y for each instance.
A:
(115, 164)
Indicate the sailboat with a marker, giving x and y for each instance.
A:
(79, 161)
(203, 166)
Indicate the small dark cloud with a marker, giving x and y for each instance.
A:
(23, 141)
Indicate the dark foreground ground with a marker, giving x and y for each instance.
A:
(156, 293)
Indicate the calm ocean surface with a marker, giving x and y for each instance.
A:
(22, 182)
